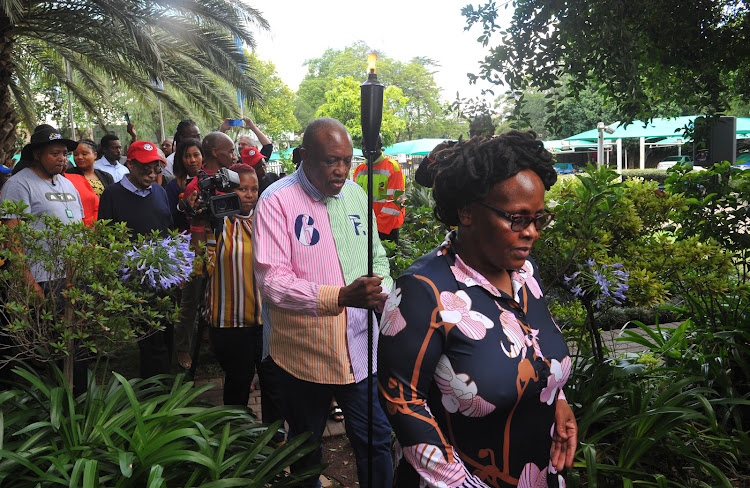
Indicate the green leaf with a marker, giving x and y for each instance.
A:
(125, 459)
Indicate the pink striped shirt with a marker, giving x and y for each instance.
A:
(300, 269)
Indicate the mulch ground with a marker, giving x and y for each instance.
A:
(342, 467)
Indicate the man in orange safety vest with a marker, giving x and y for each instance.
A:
(388, 194)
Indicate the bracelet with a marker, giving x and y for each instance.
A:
(197, 228)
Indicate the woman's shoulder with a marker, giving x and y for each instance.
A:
(432, 269)
(104, 177)
(173, 186)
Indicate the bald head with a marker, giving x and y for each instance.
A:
(218, 149)
(315, 130)
(326, 155)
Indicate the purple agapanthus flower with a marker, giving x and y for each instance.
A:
(159, 263)
(600, 283)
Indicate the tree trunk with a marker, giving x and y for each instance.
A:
(7, 113)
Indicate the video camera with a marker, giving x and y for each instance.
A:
(219, 206)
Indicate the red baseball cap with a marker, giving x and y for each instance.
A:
(144, 152)
(251, 156)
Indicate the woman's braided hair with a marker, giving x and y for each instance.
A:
(467, 171)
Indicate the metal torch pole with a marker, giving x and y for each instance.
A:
(370, 322)
(372, 116)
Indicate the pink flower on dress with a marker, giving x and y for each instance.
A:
(559, 373)
(515, 334)
(457, 310)
(459, 392)
(429, 462)
(531, 477)
(520, 340)
(392, 322)
(526, 275)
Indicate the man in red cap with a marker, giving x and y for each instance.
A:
(252, 157)
(135, 199)
(143, 205)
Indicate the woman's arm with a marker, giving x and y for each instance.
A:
(412, 341)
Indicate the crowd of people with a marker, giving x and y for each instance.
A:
(468, 365)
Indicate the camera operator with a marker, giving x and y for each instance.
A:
(218, 152)
(232, 298)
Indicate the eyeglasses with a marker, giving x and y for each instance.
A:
(519, 222)
(144, 169)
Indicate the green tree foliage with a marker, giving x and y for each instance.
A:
(641, 54)
(424, 113)
(555, 115)
(188, 45)
(343, 103)
(275, 116)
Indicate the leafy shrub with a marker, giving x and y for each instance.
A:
(139, 433)
(420, 234)
(657, 175)
(90, 307)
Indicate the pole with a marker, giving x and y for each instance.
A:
(161, 120)
(69, 71)
(371, 98)
(600, 144)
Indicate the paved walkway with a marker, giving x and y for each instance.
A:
(618, 348)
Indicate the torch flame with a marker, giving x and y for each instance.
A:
(371, 60)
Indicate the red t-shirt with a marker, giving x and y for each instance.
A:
(89, 200)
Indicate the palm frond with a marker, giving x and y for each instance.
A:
(191, 46)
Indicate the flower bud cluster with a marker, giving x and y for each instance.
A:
(159, 263)
(600, 283)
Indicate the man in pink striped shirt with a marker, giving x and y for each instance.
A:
(310, 261)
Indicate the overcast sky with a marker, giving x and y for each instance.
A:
(401, 29)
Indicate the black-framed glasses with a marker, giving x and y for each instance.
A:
(144, 169)
(519, 222)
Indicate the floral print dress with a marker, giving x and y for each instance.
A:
(469, 375)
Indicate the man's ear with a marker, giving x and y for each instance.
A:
(464, 215)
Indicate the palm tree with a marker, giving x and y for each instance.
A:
(192, 46)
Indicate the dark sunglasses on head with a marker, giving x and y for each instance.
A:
(519, 222)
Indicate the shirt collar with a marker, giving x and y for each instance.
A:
(462, 272)
(128, 185)
(309, 188)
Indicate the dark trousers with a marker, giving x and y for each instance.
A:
(156, 352)
(239, 351)
(392, 236)
(306, 405)
(270, 394)
(190, 301)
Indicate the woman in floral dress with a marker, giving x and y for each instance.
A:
(470, 363)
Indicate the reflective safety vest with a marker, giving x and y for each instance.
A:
(388, 192)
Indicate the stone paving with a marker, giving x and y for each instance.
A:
(618, 348)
